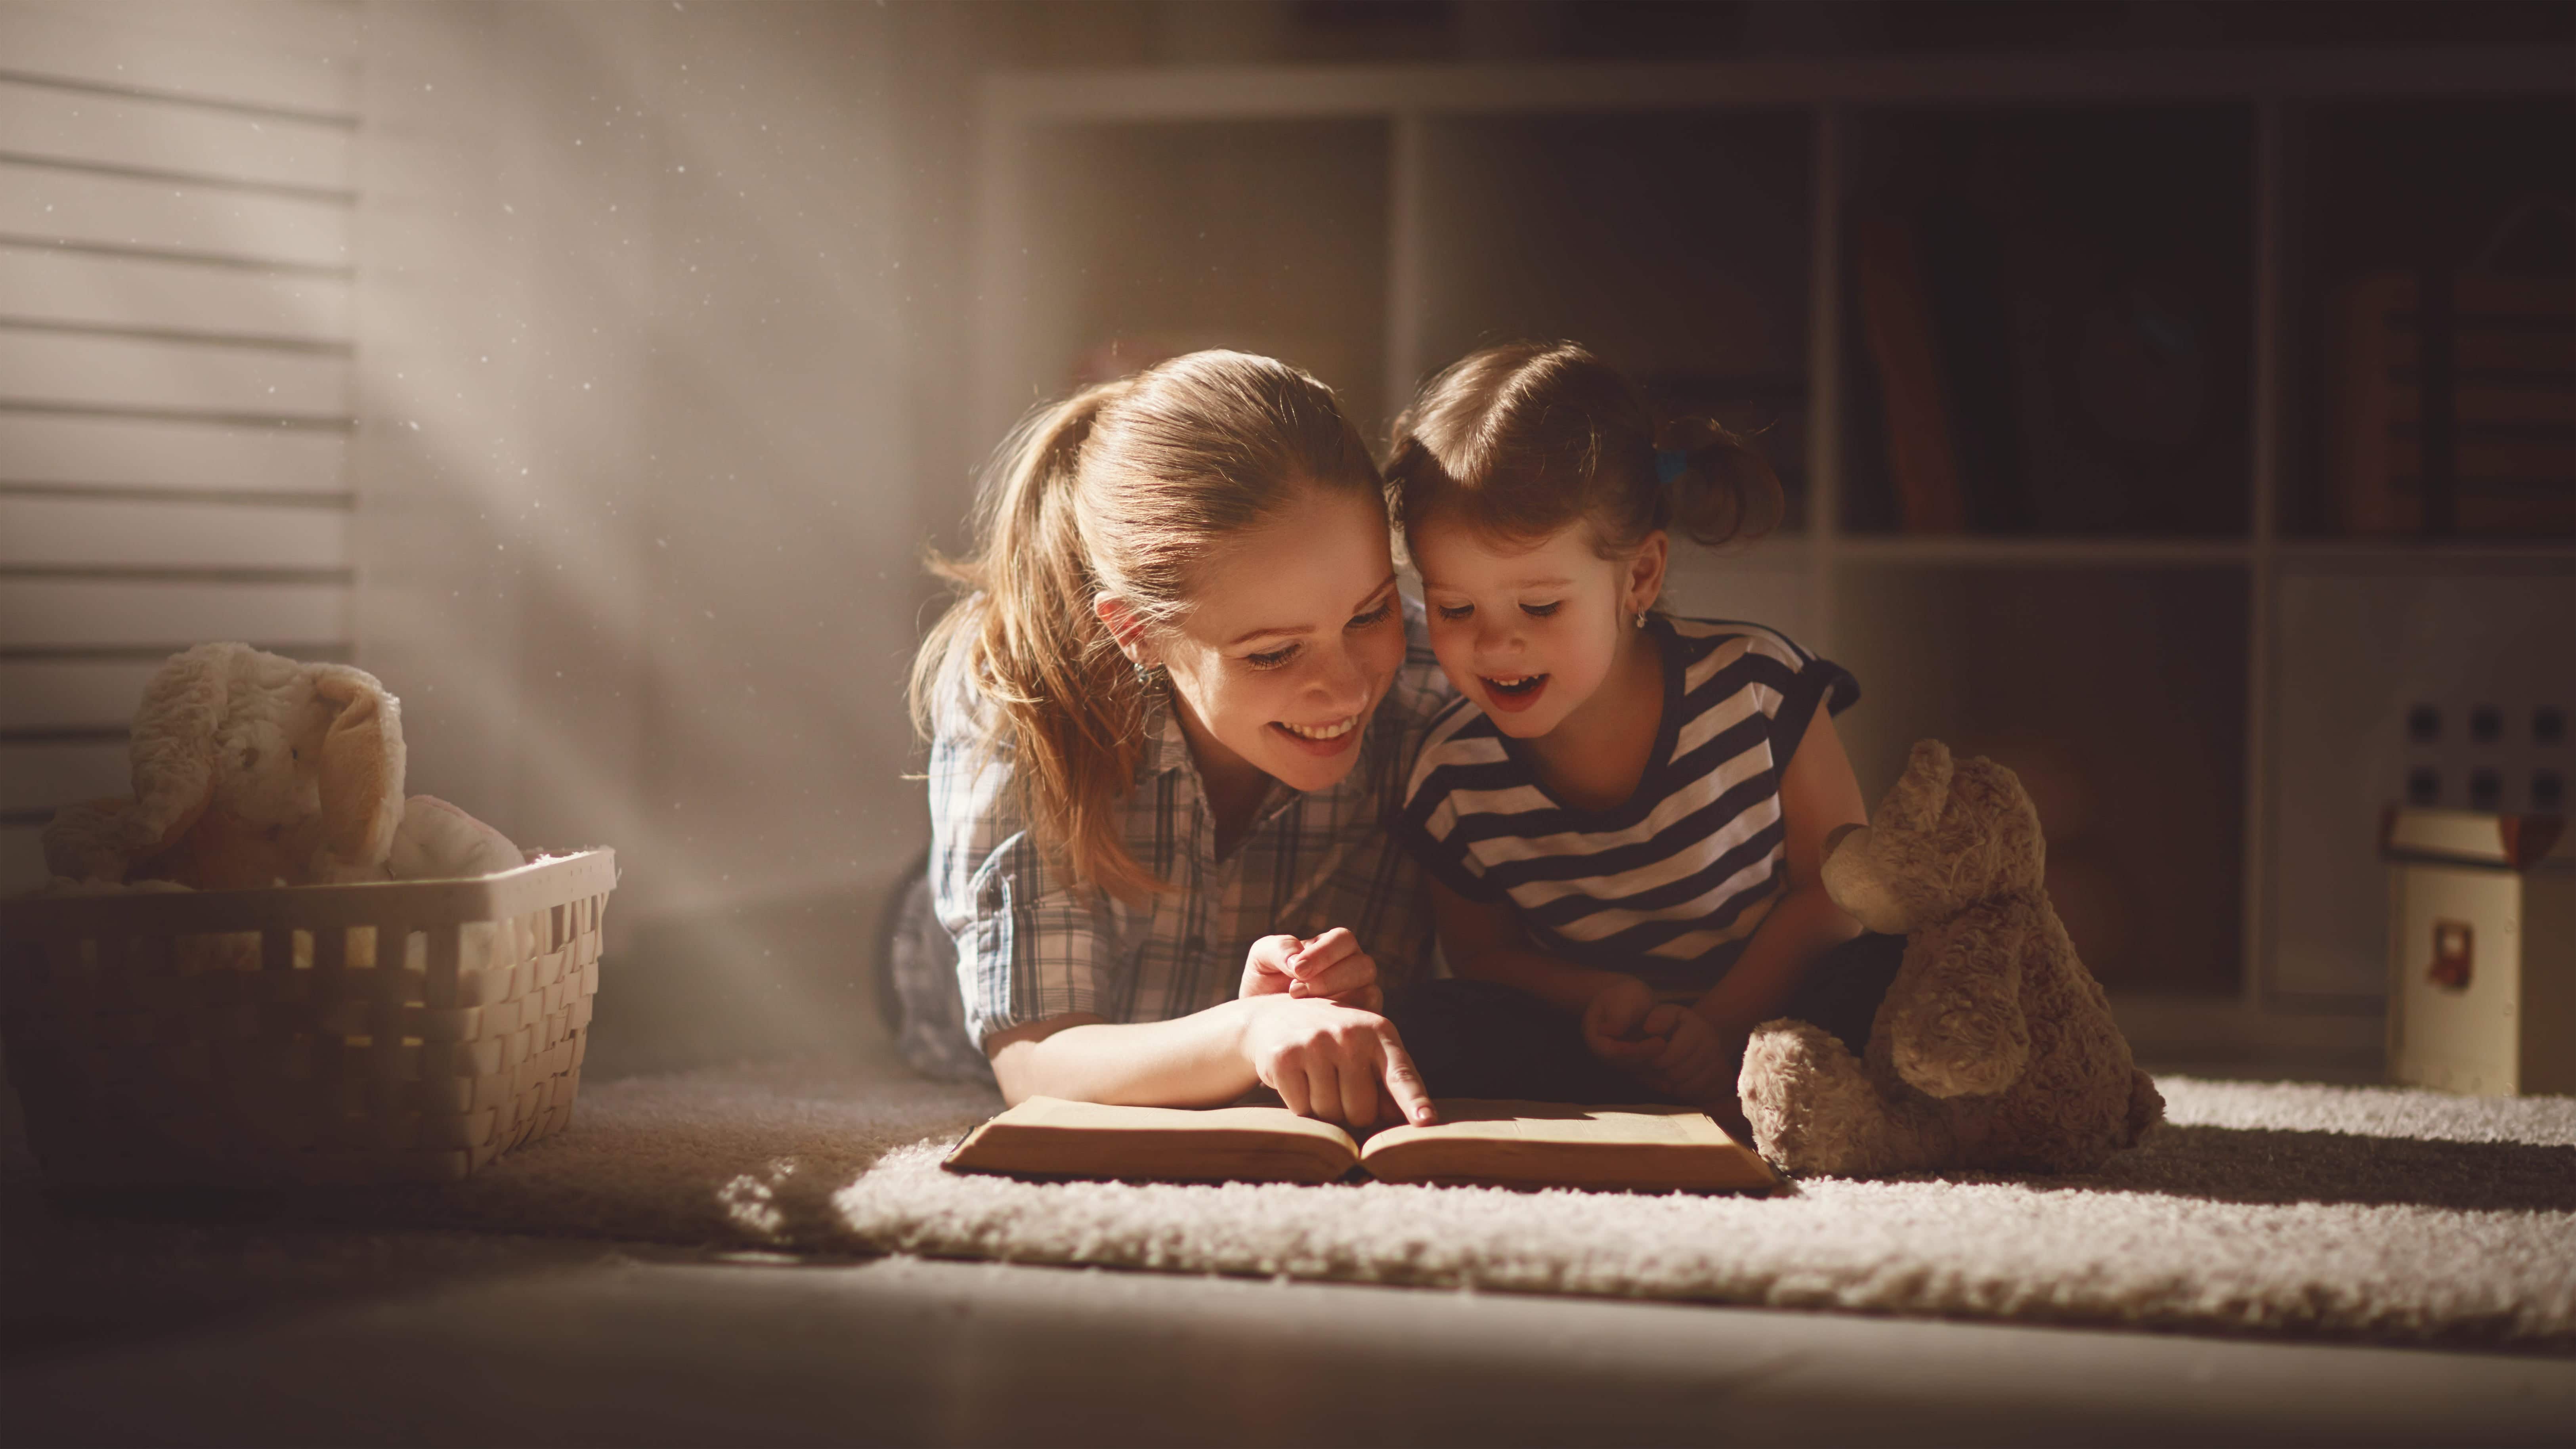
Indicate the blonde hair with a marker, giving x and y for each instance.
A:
(1520, 440)
(1123, 489)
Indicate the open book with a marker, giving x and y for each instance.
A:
(1500, 1144)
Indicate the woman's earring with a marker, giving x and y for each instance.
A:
(1641, 618)
(1144, 675)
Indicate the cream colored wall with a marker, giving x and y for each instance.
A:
(175, 364)
(637, 515)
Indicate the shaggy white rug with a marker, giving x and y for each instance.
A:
(2346, 1212)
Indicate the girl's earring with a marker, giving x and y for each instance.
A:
(1144, 675)
(1641, 618)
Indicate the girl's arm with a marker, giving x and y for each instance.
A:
(1484, 943)
(1323, 1059)
(1817, 795)
(1621, 1023)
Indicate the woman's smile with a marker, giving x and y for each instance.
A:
(1330, 738)
(1291, 639)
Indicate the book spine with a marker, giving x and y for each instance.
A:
(1922, 462)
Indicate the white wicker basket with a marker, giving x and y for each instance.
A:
(385, 1032)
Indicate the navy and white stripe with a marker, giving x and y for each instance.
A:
(1669, 885)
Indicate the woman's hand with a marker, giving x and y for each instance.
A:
(1331, 967)
(1335, 1062)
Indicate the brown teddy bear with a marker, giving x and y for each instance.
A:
(1995, 1047)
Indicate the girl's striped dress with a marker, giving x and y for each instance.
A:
(1670, 885)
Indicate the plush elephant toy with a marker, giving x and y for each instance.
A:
(1995, 1048)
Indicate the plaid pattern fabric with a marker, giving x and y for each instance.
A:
(1032, 944)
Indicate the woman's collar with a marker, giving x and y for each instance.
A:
(1165, 748)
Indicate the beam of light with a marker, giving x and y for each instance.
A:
(636, 516)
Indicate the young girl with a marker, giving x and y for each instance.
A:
(1169, 718)
(1624, 812)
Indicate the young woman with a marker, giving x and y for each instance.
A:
(1169, 717)
(1625, 812)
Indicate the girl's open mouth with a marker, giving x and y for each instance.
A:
(1329, 738)
(1514, 692)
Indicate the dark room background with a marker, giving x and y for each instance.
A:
(2174, 400)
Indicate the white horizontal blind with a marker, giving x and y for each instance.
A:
(175, 371)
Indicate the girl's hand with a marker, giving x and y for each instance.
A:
(1335, 1062)
(1672, 1049)
(1331, 967)
(1694, 1065)
(1614, 1025)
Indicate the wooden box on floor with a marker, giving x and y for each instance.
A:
(396, 1032)
(2481, 952)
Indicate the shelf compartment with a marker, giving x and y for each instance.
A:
(2457, 417)
(2422, 556)
(2048, 321)
(1675, 246)
(2118, 695)
(1965, 549)
(1151, 240)
(2359, 652)
(1771, 585)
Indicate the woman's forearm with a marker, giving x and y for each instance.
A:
(1802, 927)
(1191, 1061)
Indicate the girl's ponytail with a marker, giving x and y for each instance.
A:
(1723, 489)
(1025, 643)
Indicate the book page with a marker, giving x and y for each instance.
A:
(1050, 1137)
(1645, 1148)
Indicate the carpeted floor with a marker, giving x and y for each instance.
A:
(2353, 1213)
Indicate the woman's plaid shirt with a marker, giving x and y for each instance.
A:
(1033, 944)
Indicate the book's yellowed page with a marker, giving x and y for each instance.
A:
(1050, 1137)
(1552, 1144)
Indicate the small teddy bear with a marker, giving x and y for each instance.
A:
(1995, 1048)
(251, 769)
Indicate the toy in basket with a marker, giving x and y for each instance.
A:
(270, 967)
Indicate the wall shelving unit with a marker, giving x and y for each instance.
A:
(1694, 223)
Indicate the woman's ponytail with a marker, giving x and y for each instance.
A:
(1025, 643)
